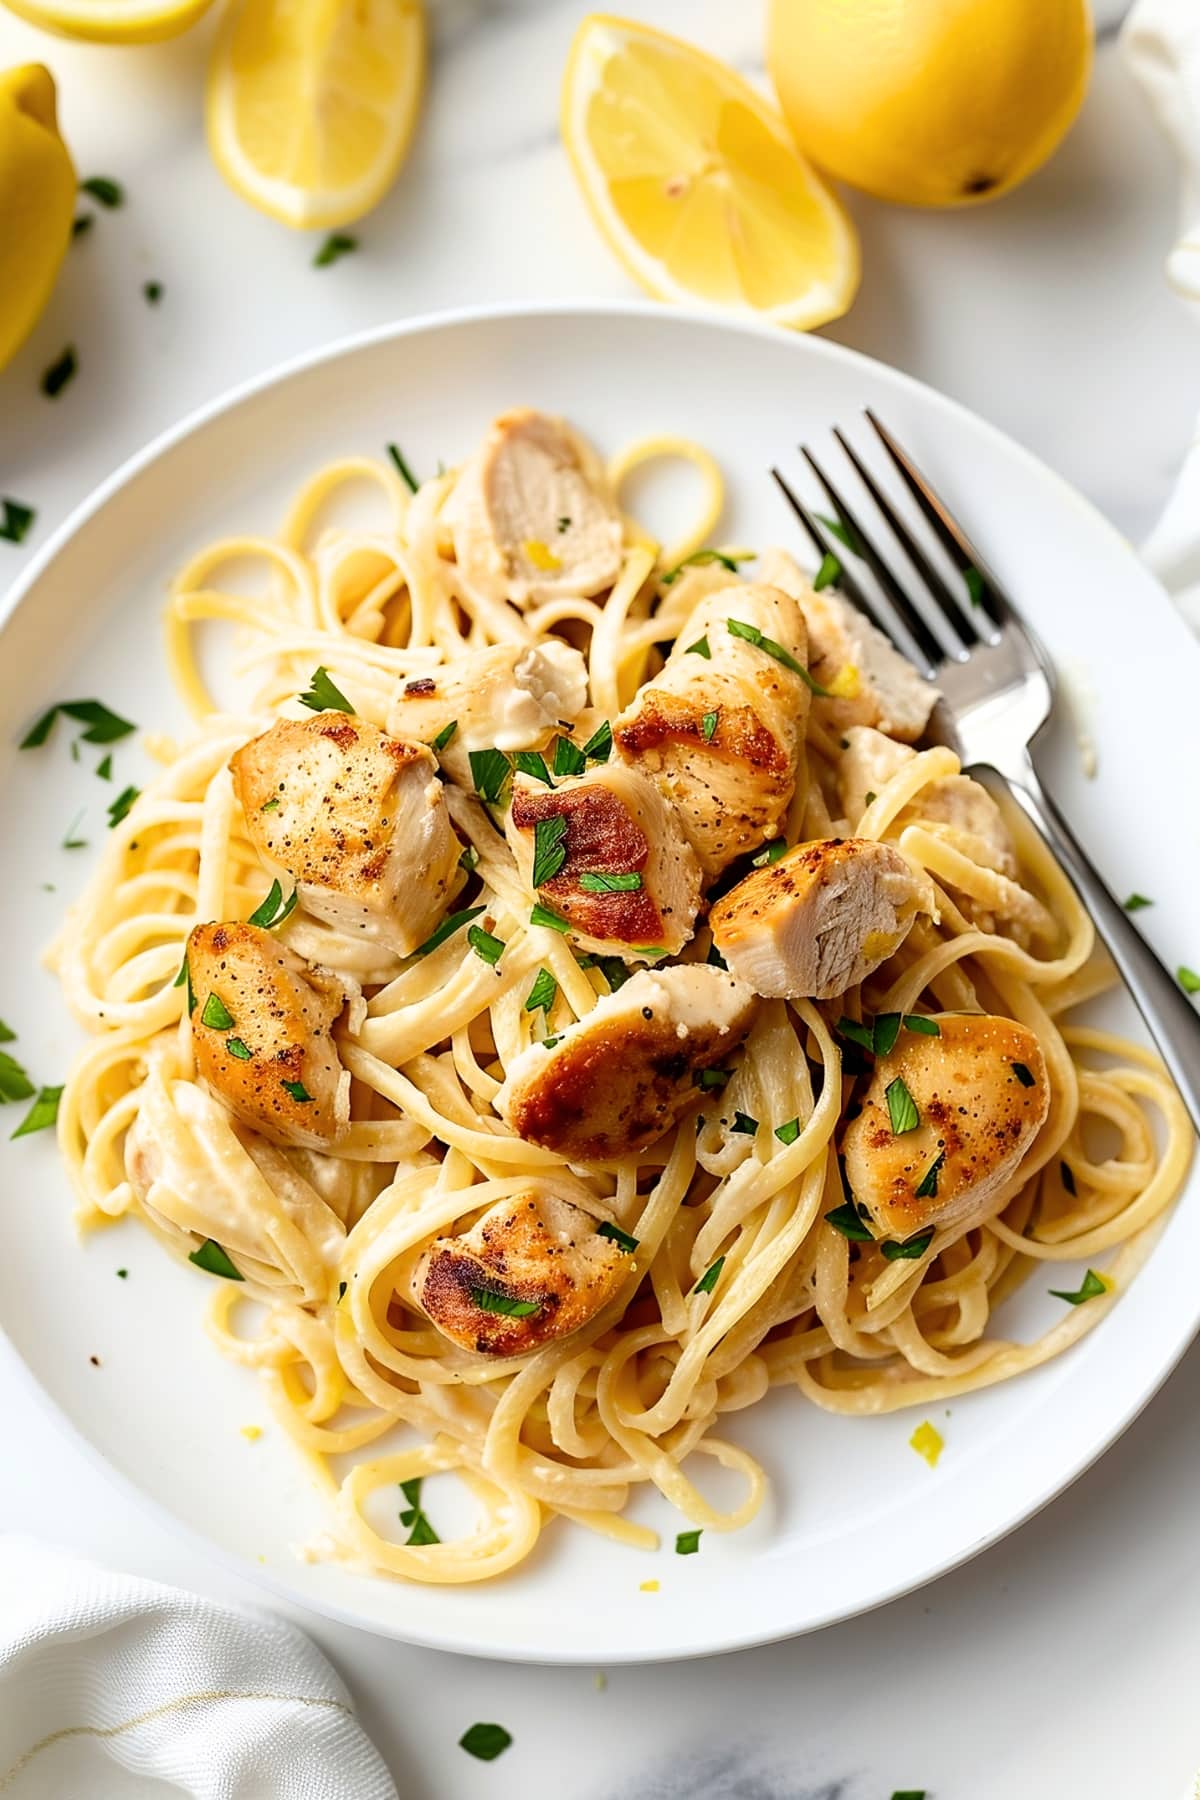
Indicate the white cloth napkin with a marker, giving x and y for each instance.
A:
(1161, 43)
(114, 1688)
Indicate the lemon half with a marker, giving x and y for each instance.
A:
(37, 201)
(695, 183)
(311, 103)
(112, 21)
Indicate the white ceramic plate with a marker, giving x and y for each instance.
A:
(855, 1517)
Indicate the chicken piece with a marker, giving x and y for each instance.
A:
(870, 760)
(820, 920)
(531, 515)
(262, 1032)
(625, 875)
(507, 697)
(721, 727)
(615, 1081)
(357, 819)
(982, 1095)
(871, 683)
(535, 1250)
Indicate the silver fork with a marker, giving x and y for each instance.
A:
(998, 686)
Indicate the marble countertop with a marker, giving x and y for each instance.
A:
(1066, 1661)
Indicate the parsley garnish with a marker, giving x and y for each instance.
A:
(7, 1034)
(59, 373)
(414, 1515)
(611, 967)
(444, 735)
(710, 1277)
(490, 769)
(237, 1049)
(701, 647)
(102, 188)
(103, 726)
(620, 1238)
(687, 1542)
(211, 1257)
(338, 243)
(549, 1043)
(549, 848)
(594, 882)
(753, 635)
(532, 762)
(908, 1794)
(862, 1035)
(789, 1132)
(599, 746)
(929, 1181)
(482, 942)
(828, 574)
(274, 909)
(485, 1741)
(568, 757)
(742, 1122)
(545, 915)
(885, 1033)
(406, 475)
(447, 929)
(543, 993)
(1024, 1076)
(564, 524)
(104, 769)
(708, 725)
(15, 520)
(699, 558)
(706, 1079)
(974, 581)
(14, 1082)
(841, 532)
(82, 225)
(488, 1300)
(216, 1014)
(714, 957)
(70, 841)
(323, 695)
(920, 1023)
(844, 1219)
(469, 860)
(908, 1251)
(152, 292)
(298, 1091)
(902, 1108)
(1136, 902)
(42, 1114)
(1188, 979)
(121, 805)
(765, 859)
(1092, 1287)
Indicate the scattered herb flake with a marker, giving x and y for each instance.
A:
(42, 1114)
(271, 805)
(710, 1277)
(103, 725)
(323, 694)
(238, 1049)
(842, 533)
(846, 1220)
(152, 292)
(104, 767)
(406, 475)
(545, 915)
(620, 1238)
(7, 1034)
(337, 244)
(15, 520)
(14, 1082)
(1136, 902)
(490, 769)
(929, 1181)
(919, 1023)
(485, 1741)
(82, 225)
(469, 860)
(568, 757)
(102, 188)
(752, 634)
(489, 1301)
(885, 1032)
(744, 1124)
(701, 647)
(828, 574)
(121, 805)
(687, 1542)
(765, 859)
(445, 735)
(485, 945)
(56, 377)
(298, 1091)
(902, 1108)
(708, 1079)
(1092, 1287)
(708, 725)
(1189, 981)
(974, 581)
(447, 929)
(543, 993)
(70, 841)
(788, 1132)
(910, 1250)
(854, 1033)
(564, 524)
(699, 558)
(1024, 1075)
(216, 1014)
(599, 746)
(614, 972)
(274, 910)
(123, 1274)
(532, 763)
(213, 1259)
(549, 848)
(714, 957)
(595, 882)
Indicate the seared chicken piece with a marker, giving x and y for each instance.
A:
(262, 1028)
(721, 727)
(531, 515)
(357, 819)
(818, 921)
(620, 1077)
(982, 1095)
(871, 683)
(625, 874)
(870, 759)
(535, 1249)
(507, 697)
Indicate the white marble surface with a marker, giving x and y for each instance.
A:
(1066, 1662)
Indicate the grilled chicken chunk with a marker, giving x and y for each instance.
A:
(507, 697)
(357, 819)
(721, 727)
(535, 1250)
(624, 874)
(818, 921)
(262, 1029)
(871, 759)
(982, 1095)
(620, 1077)
(872, 683)
(531, 515)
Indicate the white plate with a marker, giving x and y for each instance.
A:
(855, 1517)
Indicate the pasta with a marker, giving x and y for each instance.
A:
(321, 1249)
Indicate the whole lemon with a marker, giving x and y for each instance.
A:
(930, 102)
(37, 200)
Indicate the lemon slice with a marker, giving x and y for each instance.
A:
(37, 200)
(695, 183)
(311, 103)
(112, 21)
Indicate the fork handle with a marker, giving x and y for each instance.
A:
(1173, 1021)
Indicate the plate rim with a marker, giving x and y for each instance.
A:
(398, 1629)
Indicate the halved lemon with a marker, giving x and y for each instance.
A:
(694, 181)
(311, 103)
(112, 21)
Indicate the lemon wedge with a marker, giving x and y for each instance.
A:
(37, 200)
(112, 21)
(695, 183)
(311, 103)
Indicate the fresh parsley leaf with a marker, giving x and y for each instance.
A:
(699, 558)
(42, 1114)
(743, 1123)
(532, 762)
(1066, 1175)
(406, 475)
(543, 993)
(929, 1181)
(885, 1032)
(909, 1251)
(908, 1794)
(236, 1048)
(620, 1238)
(56, 377)
(714, 957)
(752, 634)
(1136, 902)
(902, 1108)
(81, 225)
(1188, 979)
(337, 244)
(15, 520)
(546, 915)
(709, 1079)
(488, 1300)
(121, 805)
(788, 1132)
(862, 1035)
(564, 524)
(687, 1542)
(599, 746)
(469, 860)
(102, 188)
(568, 757)
(152, 292)
(216, 1014)
(298, 1091)
(842, 533)
(1025, 1076)
(271, 805)
(70, 841)
(490, 769)
(775, 850)
(323, 695)
(212, 1258)
(447, 929)
(422, 1531)
(710, 1277)
(7, 1034)
(846, 1220)
(485, 1741)
(708, 725)
(445, 735)
(701, 647)
(1091, 1289)
(626, 882)
(123, 1274)
(974, 581)
(274, 909)
(103, 725)
(14, 1082)
(549, 1043)
(485, 945)
(828, 574)
(104, 768)
(924, 1026)
(614, 972)
(549, 848)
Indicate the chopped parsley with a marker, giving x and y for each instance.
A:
(485, 1741)
(274, 909)
(485, 945)
(211, 1257)
(216, 1014)
(564, 524)
(710, 1277)
(490, 769)
(699, 558)
(532, 762)
(323, 694)
(929, 1181)
(1066, 1175)
(298, 1092)
(469, 860)
(788, 1132)
(1136, 902)
(829, 573)
(701, 647)
(406, 475)
(444, 735)
(885, 1032)
(599, 746)
(753, 635)
(910, 1250)
(543, 993)
(1092, 1287)
(765, 859)
(1024, 1076)
(687, 1542)
(706, 1079)
(70, 841)
(104, 769)
(56, 377)
(337, 244)
(594, 882)
(15, 520)
(152, 292)
(611, 967)
(82, 225)
(488, 1300)
(870, 797)
(974, 581)
(902, 1108)
(545, 915)
(447, 929)
(271, 805)
(1189, 981)
(414, 1516)
(620, 1238)
(237, 1049)
(918, 1022)
(103, 725)
(549, 848)
(568, 757)
(708, 725)
(121, 805)
(123, 1274)
(842, 533)
(845, 1219)
(549, 1043)
(42, 1114)
(14, 1082)
(102, 188)
(7, 1034)
(743, 1123)
(714, 957)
